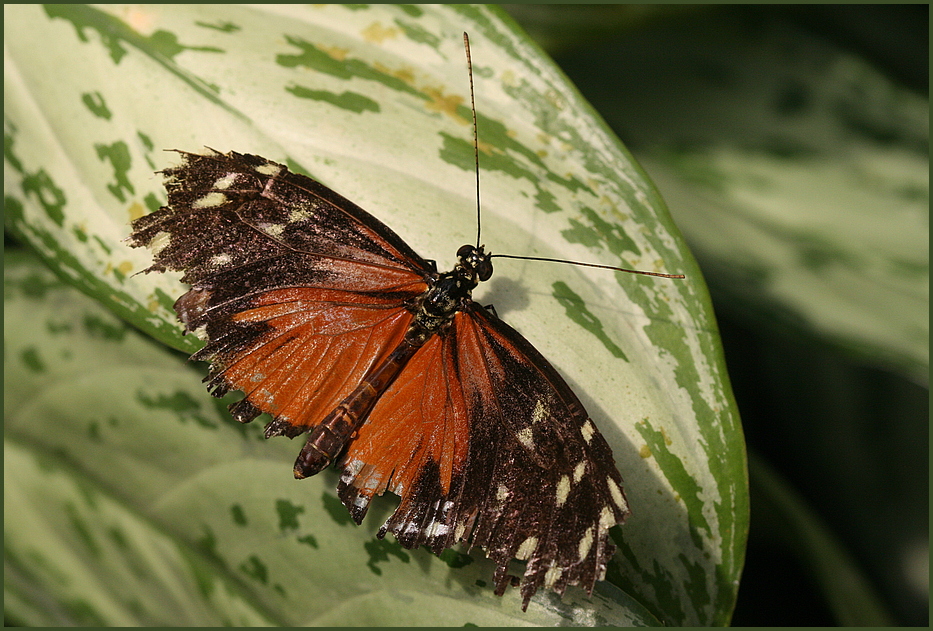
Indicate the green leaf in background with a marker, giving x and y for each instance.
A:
(798, 172)
(372, 101)
(849, 589)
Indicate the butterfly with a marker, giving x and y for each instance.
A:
(329, 322)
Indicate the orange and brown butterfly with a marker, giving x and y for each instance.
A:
(328, 321)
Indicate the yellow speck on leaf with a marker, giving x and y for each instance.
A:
(487, 148)
(137, 210)
(645, 451)
(376, 33)
(334, 52)
(445, 104)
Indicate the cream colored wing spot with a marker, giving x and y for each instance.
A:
(526, 548)
(269, 168)
(219, 260)
(525, 438)
(226, 181)
(563, 490)
(211, 200)
(586, 542)
(587, 430)
(159, 242)
(578, 471)
(617, 496)
(607, 518)
(301, 213)
(272, 229)
(539, 413)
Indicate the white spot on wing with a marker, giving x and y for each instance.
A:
(502, 493)
(578, 471)
(159, 242)
(301, 213)
(269, 169)
(459, 530)
(272, 229)
(539, 413)
(617, 496)
(211, 200)
(563, 490)
(607, 518)
(436, 529)
(588, 430)
(525, 438)
(528, 546)
(350, 470)
(226, 181)
(586, 542)
(220, 260)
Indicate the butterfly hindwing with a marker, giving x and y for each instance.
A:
(486, 445)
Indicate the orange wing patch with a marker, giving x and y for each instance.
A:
(420, 423)
(287, 370)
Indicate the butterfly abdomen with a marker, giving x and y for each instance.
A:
(327, 440)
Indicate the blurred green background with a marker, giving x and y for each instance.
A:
(791, 145)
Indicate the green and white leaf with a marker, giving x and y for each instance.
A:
(799, 174)
(373, 101)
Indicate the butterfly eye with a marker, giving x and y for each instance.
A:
(484, 268)
(466, 251)
(475, 259)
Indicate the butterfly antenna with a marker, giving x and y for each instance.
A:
(617, 269)
(466, 47)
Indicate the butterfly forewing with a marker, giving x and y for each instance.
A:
(316, 311)
(288, 278)
(228, 210)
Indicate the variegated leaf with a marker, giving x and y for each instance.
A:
(799, 173)
(373, 101)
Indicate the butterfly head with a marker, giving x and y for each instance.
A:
(476, 260)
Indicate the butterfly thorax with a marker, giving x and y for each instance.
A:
(437, 306)
(434, 311)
